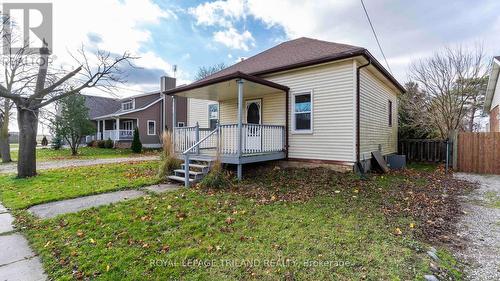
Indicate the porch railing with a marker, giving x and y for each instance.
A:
(256, 138)
(116, 134)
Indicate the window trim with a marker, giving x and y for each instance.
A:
(179, 123)
(218, 113)
(389, 112)
(128, 101)
(154, 124)
(302, 131)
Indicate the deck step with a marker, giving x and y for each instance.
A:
(190, 172)
(179, 179)
(199, 166)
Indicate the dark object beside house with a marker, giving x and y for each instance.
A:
(380, 161)
(396, 162)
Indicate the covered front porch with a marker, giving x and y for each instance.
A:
(116, 129)
(252, 122)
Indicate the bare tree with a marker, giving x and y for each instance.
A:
(32, 86)
(450, 80)
(206, 71)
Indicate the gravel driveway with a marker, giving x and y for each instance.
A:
(480, 228)
(12, 167)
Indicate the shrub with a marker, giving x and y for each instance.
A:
(92, 143)
(45, 142)
(168, 161)
(57, 142)
(108, 143)
(101, 144)
(217, 178)
(136, 142)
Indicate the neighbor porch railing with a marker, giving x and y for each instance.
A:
(115, 135)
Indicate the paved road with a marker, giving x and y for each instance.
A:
(12, 167)
(480, 228)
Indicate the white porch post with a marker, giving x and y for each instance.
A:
(103, 128)
(174, 113)
(98, 135)
(240, 127)
(117, 131)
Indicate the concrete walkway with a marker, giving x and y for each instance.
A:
(52, 209)
(479, 227)
(17, 260)
(12, 167)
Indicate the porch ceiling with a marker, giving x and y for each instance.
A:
(226, 88)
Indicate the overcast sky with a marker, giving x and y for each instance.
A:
(192, 33)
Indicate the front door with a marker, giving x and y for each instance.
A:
(253, 134)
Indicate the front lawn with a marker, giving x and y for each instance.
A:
(48, 154)
(71, 182)
(291, 224)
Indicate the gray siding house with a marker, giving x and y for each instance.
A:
(151, 113)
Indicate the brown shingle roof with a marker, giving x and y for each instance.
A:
(287, 54)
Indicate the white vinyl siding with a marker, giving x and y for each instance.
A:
(273, 110)
(496, 95)
(333, 111)
(374, 107)
(198, 112)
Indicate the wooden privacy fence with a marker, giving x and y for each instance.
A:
(479, 152)
(422, 150)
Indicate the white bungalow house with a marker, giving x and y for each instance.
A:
(304, 100)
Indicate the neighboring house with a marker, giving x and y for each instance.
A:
(151, 113)
(492, 101)
(303, 100)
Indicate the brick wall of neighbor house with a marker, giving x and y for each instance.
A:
(152, 113)
(494, 123)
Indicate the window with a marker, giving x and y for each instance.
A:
(128, 125)
(128, 105)
(390, 113)
(213, 115)
(181, 124)
(302, 112)
(151, 127)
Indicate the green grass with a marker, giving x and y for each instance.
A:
(58, 184)
(339, 235)
(424, 167)
(48, 154)
(493, 199)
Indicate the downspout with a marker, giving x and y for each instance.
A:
(358, 116)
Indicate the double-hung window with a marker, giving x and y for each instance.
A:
(128, 105)
(302, 112)
(151, 127)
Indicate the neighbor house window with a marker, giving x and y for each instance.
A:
(128, 105)
(302, 112)
(181, 124)
(213, 115)
(151, 127)
(390, 113)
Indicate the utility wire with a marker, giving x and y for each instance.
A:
(376, 37)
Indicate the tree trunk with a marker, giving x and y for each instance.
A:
(28, 126)
(4, 142)
(4, 133)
